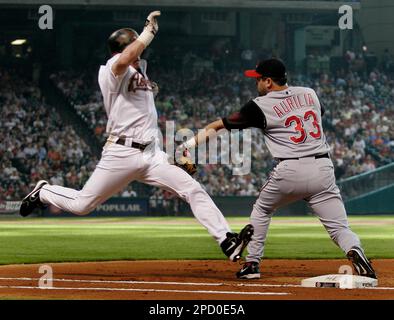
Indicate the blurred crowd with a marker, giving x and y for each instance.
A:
(82, 92)
(358, 118)
(34, 143)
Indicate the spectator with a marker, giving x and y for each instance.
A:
(357, 105)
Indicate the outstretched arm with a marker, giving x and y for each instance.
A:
(203, 135)
(250, 115)
(134, 50)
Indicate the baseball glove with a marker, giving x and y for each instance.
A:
(184, 162)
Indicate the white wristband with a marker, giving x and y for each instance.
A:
(191, 143)
(146, 37)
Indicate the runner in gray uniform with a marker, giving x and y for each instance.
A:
(290, 118)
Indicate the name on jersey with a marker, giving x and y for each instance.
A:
(138, 82)
(293, 103)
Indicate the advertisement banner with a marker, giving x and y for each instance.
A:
(114, 207)
(123, 207)
(9, 207)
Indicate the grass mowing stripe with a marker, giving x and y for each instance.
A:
(72, 239)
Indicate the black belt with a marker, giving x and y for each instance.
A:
(316, 157)
(135, 145)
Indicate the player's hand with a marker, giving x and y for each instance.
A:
(181, 151)
(155, 89)
(183, 160)
(151, 22)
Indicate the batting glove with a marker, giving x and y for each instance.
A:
(150, 29)
(151, 22)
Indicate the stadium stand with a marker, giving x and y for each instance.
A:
(34, 142)
(358, 115)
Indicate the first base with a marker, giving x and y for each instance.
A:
(342, 281)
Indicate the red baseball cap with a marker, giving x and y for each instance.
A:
(270, 68)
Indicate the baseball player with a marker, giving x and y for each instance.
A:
(131, 151)
(290, 118)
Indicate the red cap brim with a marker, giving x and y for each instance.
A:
(252, 74)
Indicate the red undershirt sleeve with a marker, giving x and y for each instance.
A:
(250, 115)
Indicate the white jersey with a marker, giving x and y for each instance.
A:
(293, 123)
(129, 103)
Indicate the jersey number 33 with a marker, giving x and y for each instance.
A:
(299, 126)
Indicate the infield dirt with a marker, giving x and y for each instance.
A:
(185, 280)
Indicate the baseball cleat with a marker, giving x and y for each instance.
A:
(360, 263)
(235, 243)
(32, 200)
(250, 270)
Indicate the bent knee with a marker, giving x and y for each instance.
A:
(261, 208)
(83, 208)
(82, 212)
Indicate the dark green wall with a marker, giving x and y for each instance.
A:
(378, 202)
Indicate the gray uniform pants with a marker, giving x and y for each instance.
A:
(312, 180)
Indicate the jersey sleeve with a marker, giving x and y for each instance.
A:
(250, 115)
(112, 82)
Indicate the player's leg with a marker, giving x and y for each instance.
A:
(275, 193)
(117, 167)
(327, 204)
(332, 214)
(270, 198)
(176, 180)
(101, 185)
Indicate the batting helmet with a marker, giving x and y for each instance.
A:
(120, 39)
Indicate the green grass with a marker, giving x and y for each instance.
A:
(36, 240)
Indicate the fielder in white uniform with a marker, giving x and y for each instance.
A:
(290, 119)
(132, 152)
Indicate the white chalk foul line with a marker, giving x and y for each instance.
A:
(182, 283)
(215, 284)
(152, 290)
